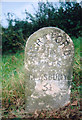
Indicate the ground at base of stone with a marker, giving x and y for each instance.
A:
(69, 112)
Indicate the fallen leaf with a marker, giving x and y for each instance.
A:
(74, 103)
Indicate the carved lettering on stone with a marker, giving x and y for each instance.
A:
(48, 66)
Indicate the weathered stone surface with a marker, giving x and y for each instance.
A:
(48, 66)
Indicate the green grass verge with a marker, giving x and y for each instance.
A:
(13, 81)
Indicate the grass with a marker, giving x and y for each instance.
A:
(76, 86)
(13, 79)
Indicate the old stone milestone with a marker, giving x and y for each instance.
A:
(48, 69)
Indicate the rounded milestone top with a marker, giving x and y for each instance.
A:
(50, 45)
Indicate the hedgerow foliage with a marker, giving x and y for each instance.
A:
(67, 17)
